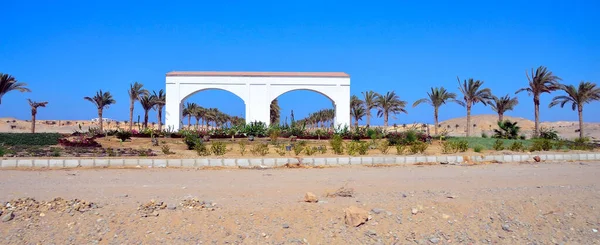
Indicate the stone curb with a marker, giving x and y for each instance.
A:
(21, 163)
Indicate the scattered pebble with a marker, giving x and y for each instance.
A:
(434, 240)
(377, 210)
(414, 211)
(286, 226)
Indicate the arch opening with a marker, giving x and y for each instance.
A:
(211, 108)
(301, 106)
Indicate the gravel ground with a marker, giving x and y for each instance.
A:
(485, 204)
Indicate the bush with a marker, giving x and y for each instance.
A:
(548, 133)
(507, 130)
(123, 135)
(357, 147)
(363, 148)
(322, 149)
(56, 151)
(166, 150)
(29, 138)
(274, 135)
(516, 146)
(218, 148)
(3, 150)
(541, 145)
(261, 149)
(462, 145)
(523, 137)
(384, 147)
(201, 149)
(418, 147)
(310, 150)
(478, 148)
(581, 144)
(449, 147)
(191, 141)
(258, 129)
(299, 147)
(280, 149)
(498, 145)
(560, 144)
(408, 137)
(484, 135)
(337, 144)
(242, 145)
(411, 137)
(400, 149)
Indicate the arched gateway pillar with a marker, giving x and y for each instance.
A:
(257, 90)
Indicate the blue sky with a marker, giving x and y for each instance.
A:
(66, 50)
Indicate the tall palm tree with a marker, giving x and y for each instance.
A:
(389, 103)
(160, 100)
(473, 93)
(147, 102)
(102, 100)
(275, 112)
(370, 103)
(34, 105)
(355, 104)
(502, 105)
(189, 112)
(436, 98)
(577, 96)
(357, 112)
(135, 92)
(9, 83)
(542, 81)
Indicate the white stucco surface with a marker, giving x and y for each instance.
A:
(257, 90)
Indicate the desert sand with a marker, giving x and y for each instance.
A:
(485, 204)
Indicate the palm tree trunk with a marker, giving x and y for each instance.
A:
(131, 105)
(33, 123)
(369, 118)
(385, 119)
(351, 120)
(159, 118)
(580, 112)
(189, 121)
(536, 102)
(145, 119)
(197, 121)
(500, 117)
(468, 120)
(435, 119)
(100, 118)
(356, 123)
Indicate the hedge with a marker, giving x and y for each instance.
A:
(29, 138)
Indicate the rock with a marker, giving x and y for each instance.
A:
(537, 158)
(155, 213)
(403, 195)
(595, 230)
(42, 214)
(370, 233)
(285, 226)
(171, 207)
(506, 227)
(434, 240)
(388, 213)
(414, 211)
(377, 210)
(8, 217)
(355, 216)
(445, 216)
(310, 197)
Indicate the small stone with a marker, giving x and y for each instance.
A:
(286, 226)
(8, 217)
(445, 216)
(370, 233)
(414, 211)
(377, 210)
(355, 216)
(388, 213)
(434, 240)
(264, 234)
(537, 158)
(310, 197)
(506, 227)
(154, 213)
(42, 214)
(171, 207)
(595, 230)
(403, 195)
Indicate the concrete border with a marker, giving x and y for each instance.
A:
(55, 163)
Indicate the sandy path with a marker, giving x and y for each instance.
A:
(543, 204)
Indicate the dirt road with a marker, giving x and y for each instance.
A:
(486, 204)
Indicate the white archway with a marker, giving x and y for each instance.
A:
(257, 90)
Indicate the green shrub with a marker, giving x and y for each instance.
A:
(507, 130)
(560, 144)
(363, 148)
(523, 137)
(548, 133)
(498, 145)
(3, 150)
(123, 135)
(201, 149)
(42, 139)
(260, 149)
(299, 147)
(462, 145)
(191, 141)
(411, 137)
(257, 129)
(218, 148)
(478, 148)
(274, 135)
(400, 149)
(516, 146)
(280, 149)
(541, 145)
(383, 147)
(581, 144)
(352, 148)
(56, 151)
(322, 149)
(449, 147)
(484, 135)
(242, 145)
(310, 150)
(418, 147)
(337, 144)
(166, 149)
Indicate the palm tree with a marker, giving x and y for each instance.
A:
(542, 81)
(9, 83)
(436, 98)
(370, 103)
(160, 100)
(101, 100)
(135, 92)
(147, 102)
(34, 105)
(473, 94)
(189, 112)
(389, 103)
(357, 112)
(275, 112)
(503, 104)
(355, 104)
(577, 96)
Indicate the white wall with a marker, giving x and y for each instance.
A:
(257, 92)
